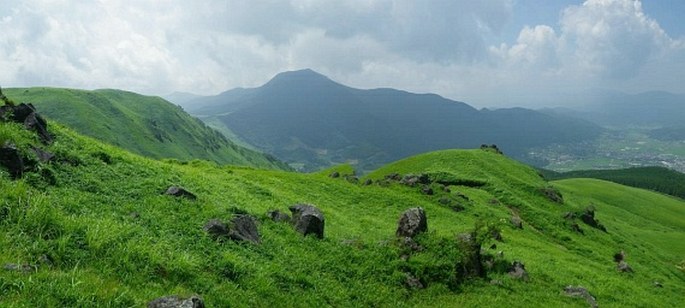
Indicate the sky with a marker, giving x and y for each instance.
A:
(490, 53)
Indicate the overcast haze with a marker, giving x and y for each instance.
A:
(486, 53)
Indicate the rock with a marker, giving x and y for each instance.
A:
(496, 235)
(471, 263)
(278, 216)
(244, 228)
(216, 229)
(445, 201)
(334, 174)
(588, 217)
(569, 216)
(516, 222)
(177, 191)
(412, 222)
(352, 179)
(36, 123)
(413, 179)
(658, 284)
(619, 256)
(43, 156)
(552, 194)
(393, 176)
(173, 301)
(368, 182)
(21, 112)
(581, 293)
(308, 219)
(426, 190)
(496, 282)
(518, 270)
(410, 244)
(576, 228)
(24, 268)
(11, 159)
(412, 282)
(623, 267)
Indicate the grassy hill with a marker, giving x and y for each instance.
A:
(93, 228)
(659, 179)
(145, 125)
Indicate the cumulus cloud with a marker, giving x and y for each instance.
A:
(206, 47)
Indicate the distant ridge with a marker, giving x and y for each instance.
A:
(310, 121)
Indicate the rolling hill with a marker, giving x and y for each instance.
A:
(92, 226)
(312, 122)
(145, 125)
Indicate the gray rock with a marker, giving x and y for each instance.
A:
(412, 222)
(368, 182)
(278, 216)
(426, 190)
(216, 229)
(244, 228)
(518, 270)
(581, 293)
(308, 219)
(177, 191)
(173, 301)
(11, 159)
(334, 174)
(24, 268)
(516, 222)
(623, 267)
(412, 282)
(43, 156)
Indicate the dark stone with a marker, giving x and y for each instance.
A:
(308, 219)
(413, 282)
(24, 268)
(426, 190)
(11, 159)
(569, 216)
(576, 228)
(177, 191)
(518, 270)
(244, 228)
(457, 207)
(21, 112)
(588, 217)
(413, 179)
(412, 222)
(368, 182)
(334, 174)
(471, 264)
(619, 256)
(43, 156)
(552, 194)
(444, 201)
(35, 122)
(581, 293)
(278, 216)
(173, 301)
(516, 222)
(216, 229)
(496, 235)
(352, 179)
(393, 177)
(623, 267)
(658, 284)
(410, 244)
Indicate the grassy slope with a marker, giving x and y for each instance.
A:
(659, 179)
(102, 255)
(145, 125)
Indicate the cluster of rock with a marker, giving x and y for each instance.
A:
(587, 216)
(491, 148)
(12, 158)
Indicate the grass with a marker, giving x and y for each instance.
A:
(103, 234)
(145, 125)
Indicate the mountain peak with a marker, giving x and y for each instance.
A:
(300, 77)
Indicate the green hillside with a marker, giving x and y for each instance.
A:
(145, 125)
(659, 179)
(92, 227)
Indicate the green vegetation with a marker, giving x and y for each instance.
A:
(145, 125)
(93, 228)
(659, 179)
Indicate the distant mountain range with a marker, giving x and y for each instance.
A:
(655, 109)
(145, 125)
(311, 122)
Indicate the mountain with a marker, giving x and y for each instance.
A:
(181, 98)
(145, 125)
(92, 227)
(311, 122)
(621, 110)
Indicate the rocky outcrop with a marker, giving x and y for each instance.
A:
(11, 159)
(412, 222)
(174, 301)
(242, 228)
(308, 219)
(178, 191)
(581, 293)
(278, 216)
(518, 270)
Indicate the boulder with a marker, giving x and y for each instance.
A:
(412, 222)
(244, 228)
(518, 270)
(412, 282)
(23, 268)
(581, 293)
(21, 112)
(623, 267)
(619, 256)
(552, 194)
(43, 156)
(516, 222)
(368, 182)
(426, 190)
(11, 159)
(36, 123)
(216, 229)
(334, 174)
(177, 191)
(174, 301)
(393, 176)
(308, 219)
(471, 262)
(278, 216)
(588, 217)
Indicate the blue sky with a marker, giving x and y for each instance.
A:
(487, 53)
